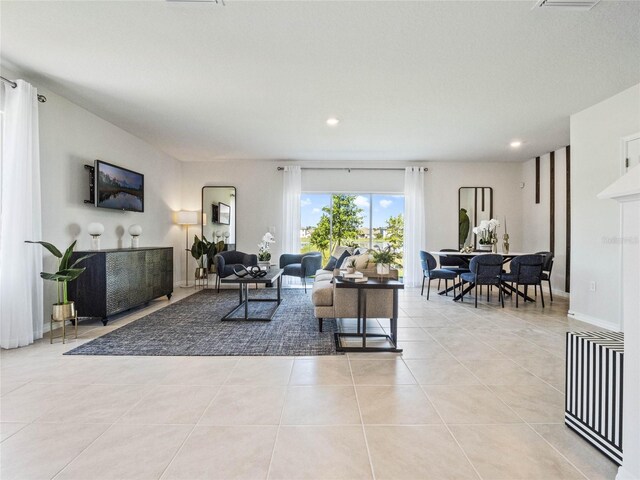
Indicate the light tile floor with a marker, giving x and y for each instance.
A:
(477, 393)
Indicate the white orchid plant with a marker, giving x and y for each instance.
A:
(486, 231)
(264, 247)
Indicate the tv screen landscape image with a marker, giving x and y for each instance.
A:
(118, 188)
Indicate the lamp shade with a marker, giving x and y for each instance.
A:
(185, 217)
(95, 229)
(135, 230)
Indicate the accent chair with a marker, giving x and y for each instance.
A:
(301, 265)
(225, 261)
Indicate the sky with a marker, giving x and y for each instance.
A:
(384, 206)
(131, 179)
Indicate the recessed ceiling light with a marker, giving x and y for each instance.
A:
(332, 122)
(515, 143)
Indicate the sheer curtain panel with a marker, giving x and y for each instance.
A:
(21, 317)
(291, 192)
(414, 225)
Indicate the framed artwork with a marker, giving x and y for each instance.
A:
(224, 213)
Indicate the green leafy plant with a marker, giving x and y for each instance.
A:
(386, 255)
(66, 272)
(202, 247)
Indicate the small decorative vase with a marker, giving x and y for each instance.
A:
(351, 270)
(383, 268)
(494, 247)
(95, 242)
(505, 243)
(201, 273)
(485, 247)
(264, 264)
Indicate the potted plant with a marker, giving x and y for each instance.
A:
(264, 250)
(384, 258)
(202, 250)
(487, 233)
(64, 309)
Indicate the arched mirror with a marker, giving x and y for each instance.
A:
(474, 205)
(219, 215)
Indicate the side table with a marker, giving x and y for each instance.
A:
(363, 288)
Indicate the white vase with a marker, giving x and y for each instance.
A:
(383, 268)
(484, 247)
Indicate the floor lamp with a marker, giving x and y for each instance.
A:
(186, 218)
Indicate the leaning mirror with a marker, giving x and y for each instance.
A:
(219, 215)
(474, 205)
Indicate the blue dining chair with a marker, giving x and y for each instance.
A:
(431, 272)
(485, 269)
(547, 266)
(526, 270)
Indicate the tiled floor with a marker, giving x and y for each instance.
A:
(477, 393)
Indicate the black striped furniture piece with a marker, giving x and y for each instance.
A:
(593, 389)
(120, 279)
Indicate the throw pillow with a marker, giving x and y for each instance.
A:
(331, 264)
(338, 251)
(363, 261)
(342, 258)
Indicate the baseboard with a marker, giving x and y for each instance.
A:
(560, 293)
(594, 321)
(624, 474)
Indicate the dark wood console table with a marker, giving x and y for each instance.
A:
(120, 279)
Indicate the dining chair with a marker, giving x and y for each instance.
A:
(546, 269)
(485, 269)
(454, 263)
(431, 272)
(525, 270)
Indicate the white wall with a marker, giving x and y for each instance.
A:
(71, 137)
(259, 197)
(596, 163)
(536, 216)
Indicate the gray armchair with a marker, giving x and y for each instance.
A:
(225, 261)
(301, 265)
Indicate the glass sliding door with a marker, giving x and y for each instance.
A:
(315, 223)
(350, 219)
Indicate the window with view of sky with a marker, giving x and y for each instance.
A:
(350, 219)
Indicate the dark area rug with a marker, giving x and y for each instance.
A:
(192, 326)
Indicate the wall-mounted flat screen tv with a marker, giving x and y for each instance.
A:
(118, 188)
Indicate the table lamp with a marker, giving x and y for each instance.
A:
(186, 218)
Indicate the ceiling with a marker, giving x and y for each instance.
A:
(258, 79)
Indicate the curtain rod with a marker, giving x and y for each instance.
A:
(41, 98)
(352, 168)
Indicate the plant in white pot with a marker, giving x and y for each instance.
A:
(264, 249)
(384, 258)
(67, 272)
(487, 234)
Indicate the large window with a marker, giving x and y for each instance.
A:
(350, 219)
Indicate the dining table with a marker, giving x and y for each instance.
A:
(506, 258)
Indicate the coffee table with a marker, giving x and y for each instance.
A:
(273, 275)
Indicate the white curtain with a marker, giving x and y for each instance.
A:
(20, 263)
(291, 193)
(414, 225)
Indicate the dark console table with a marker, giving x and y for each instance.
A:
(120, 279)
